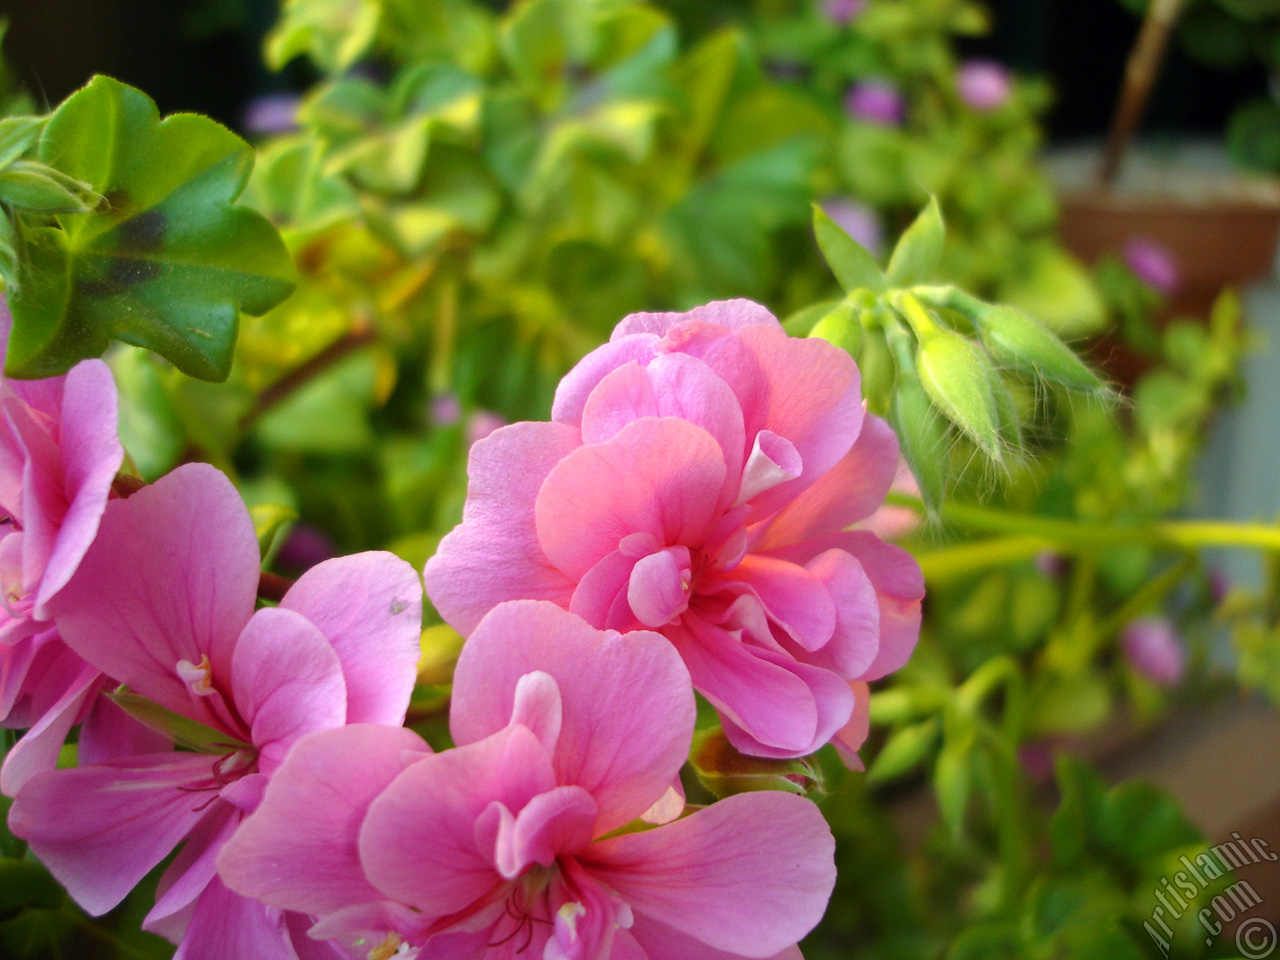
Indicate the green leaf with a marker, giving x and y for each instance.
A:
(841, 327)
(168, 262)
(26, 884)
(334, 33)
(271, 522)
(182, 730)
(849, 260)
(915, 258)
(905, 750)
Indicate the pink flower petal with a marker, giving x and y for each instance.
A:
(225, 925)
(898, 583)
(804, 390)
(578, 383)
(795, 599)
(855, 641)
(731, 314)
(494, 554)
(369, 607)
(558, 821)
(628, 710)
(750, 875)
(658, 942)
(657, 476)
(832, 701)
(773, 460)
(100, 829)
(671, 385)
(658, 589)
(851, 491)
(108, 733)
(299, 849)
(768, 701)
(172, 576)
(91, 456)
(287, 682)
(190, 872)
(38, 749)
(418, 840)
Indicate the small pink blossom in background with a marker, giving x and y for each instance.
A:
(164, 600)
(859, 221)
(59, 453)
(843, 11)
(482, 423)
(1154, 649)
(876, 101)
(1036, 760)
(1050, 564)
(1154, 264)
(1219, 585)
(270, 114)
(983, 85)
(699, 478)
(893, 523)
(305, 547)
(499, 848)
(445, 409)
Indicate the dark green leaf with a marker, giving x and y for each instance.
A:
(168, 262)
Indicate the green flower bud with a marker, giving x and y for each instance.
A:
(1018, 341)
(956, 375)
(1010, 424)
(841, 328)
(875, 362)
(922, 434)
(1026, 345)
(724, 771)
(27, 185)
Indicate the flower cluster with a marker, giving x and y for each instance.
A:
(684, 522)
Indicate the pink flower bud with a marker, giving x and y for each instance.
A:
(1153, 649)
(445, 409)
(876, 101)
(843, 11)
(984, 85)
(1154, 264)
(482, 423)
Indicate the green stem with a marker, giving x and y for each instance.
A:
(1069, 534)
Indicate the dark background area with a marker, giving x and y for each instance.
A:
(204, 55)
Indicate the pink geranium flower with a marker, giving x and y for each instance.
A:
(164, 601)
(59, 453)
(509, 845)
(699, 479)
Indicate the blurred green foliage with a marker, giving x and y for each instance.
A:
(471, 200)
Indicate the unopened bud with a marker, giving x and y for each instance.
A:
(1026, 345)
(956, 375)
(27, 185)
(724, 771)
(923, 436)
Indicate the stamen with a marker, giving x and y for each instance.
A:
(387, 949)
(197, 676)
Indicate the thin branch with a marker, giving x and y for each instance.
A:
(362, 334)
